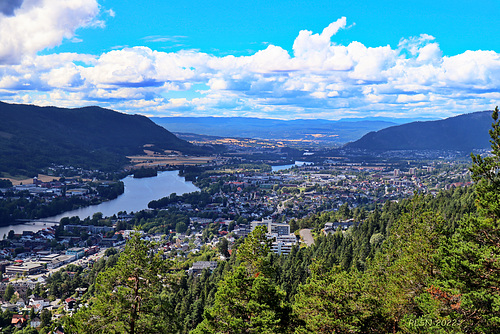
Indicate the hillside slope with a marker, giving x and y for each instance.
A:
(462, 133)
(33, 137)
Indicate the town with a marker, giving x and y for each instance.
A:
(233, 200)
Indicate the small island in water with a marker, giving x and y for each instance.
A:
(145, 172)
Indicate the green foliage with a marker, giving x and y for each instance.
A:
(328, 302)
(111, 251)
(429, 275)
(91, 137)
(45, 318)
(194, 294)
(5, 183)
(223, 247)
(485, 173)
(471, 259)
(394, 283)
(248, 300)
(129, 297)
(181, 227)
(201, 198)
(246, 304)
(110, 191)
(9, 292)
(63, 283)
(461, 133)
(145, 172)
(254, 250)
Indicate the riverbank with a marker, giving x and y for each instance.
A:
(38, 199)
(136, 196)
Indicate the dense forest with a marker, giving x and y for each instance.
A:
(381, 276)
(32, 138)
(461, 133)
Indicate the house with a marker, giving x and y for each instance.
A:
(9, 307)
(24, 268)
(332, 227)
(282, 244)
(60, 260)
(19, 320)
(80, 291)
(278, 228)
(39, 303)
(69, 304)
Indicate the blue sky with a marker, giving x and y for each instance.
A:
(276, 59)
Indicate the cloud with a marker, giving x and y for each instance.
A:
(319, 79)
(162, 39)
(39, 24)
(308, 42)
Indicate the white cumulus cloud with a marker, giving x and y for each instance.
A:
(40, 24)
(320, 78)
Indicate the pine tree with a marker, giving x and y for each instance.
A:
(247, 300)
(9, 292)
(246, 304)
(327, 303)
(471, 266)
(254, 250)
(130, 296)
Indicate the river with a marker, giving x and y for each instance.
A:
(136, 196)
(283, 167)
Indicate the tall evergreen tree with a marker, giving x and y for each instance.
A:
(247, 300)
(328, 302)
(130, 296)
(471, 263)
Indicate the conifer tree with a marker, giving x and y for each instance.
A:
(247, 300)
(9, 292)
(130, 296)
(328, 302)
(471, 266)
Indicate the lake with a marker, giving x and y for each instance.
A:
(137, 194)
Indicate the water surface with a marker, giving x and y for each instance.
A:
(137, 194)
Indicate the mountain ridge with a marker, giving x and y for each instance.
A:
(32, 137)
(464, 132)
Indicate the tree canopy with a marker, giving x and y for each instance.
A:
(131, 296)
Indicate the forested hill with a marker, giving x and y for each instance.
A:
(463, 133)
(33, 137)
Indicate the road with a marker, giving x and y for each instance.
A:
(306, 235)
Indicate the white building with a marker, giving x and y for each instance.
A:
(272, 228)
(282, 244)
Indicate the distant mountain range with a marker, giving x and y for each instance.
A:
(462, 133)
(33, 137)
(338, 132)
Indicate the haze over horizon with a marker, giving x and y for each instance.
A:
(283, 60)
